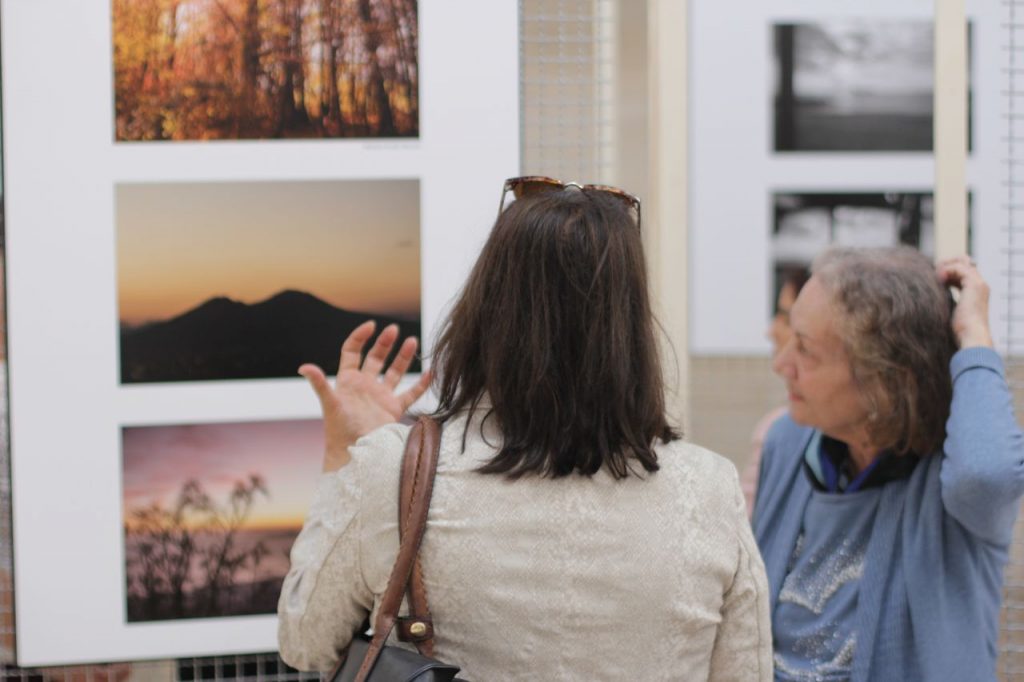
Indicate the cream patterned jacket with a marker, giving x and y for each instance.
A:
(653, 578)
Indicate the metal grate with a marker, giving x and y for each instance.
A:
(567, 81)
(1011, 308)
(1013, 179)
(1011, 644)
(567, 57)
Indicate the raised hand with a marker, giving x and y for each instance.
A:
(362, 399)
(970, 317)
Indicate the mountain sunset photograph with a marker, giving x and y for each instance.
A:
(248, 280)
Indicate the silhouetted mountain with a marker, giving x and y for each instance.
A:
(224, 339)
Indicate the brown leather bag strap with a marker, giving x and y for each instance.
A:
(418, 626)
(421, 451)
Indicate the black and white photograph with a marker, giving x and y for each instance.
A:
(805, 224)
(854, 85)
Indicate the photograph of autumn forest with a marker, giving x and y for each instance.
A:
(210, 515)
(248, 280)
(265, 69)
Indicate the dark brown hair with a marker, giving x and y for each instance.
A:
(554, 330)
(895, 323)
(795, 276)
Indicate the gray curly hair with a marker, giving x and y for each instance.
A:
(894, 321)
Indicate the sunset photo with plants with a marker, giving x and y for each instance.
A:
(210, 514)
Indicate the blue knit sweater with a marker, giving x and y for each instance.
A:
(928, 607)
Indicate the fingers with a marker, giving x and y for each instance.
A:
(318, 381)
(958, 271)
(962, 275)
(352, 349)
(352, 360)
(407, 398)
(970, 317)
(962, 258)
(951, 273)
(400, 365)
(375, 359)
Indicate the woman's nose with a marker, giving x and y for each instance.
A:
(782, 362)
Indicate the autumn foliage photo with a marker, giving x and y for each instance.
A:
(263, 69)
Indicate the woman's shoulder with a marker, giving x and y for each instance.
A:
(384, 437)
(783, 448)
(702, 486)
(687, 454)
(697, 467)
(784, 434)
(377, 456)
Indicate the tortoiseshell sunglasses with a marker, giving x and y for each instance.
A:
(529, 185)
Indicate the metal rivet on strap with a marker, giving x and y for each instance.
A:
(418, 629)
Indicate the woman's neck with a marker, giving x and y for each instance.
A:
(862, 455)
(862, 450)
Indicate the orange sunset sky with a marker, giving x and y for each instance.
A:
(353, 243)
(157, 460)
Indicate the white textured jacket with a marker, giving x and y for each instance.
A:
(589, 578)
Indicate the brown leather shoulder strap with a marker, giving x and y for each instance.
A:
(418, 626)
(417, 482)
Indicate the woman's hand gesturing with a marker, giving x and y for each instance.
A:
(362, 399)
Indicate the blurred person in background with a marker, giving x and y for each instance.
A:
(779, 331)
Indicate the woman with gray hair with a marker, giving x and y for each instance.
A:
(888, 494)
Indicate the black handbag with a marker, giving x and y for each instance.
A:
(370, 660)
(394, 664)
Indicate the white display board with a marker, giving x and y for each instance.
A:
(70, 188)
(740, 179)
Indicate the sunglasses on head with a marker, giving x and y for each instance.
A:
(530, 185)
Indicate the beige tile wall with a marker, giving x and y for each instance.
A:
(728, 396)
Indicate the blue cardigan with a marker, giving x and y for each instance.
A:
(928, 607)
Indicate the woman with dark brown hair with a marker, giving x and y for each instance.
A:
(888, 494)
(572, 534)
